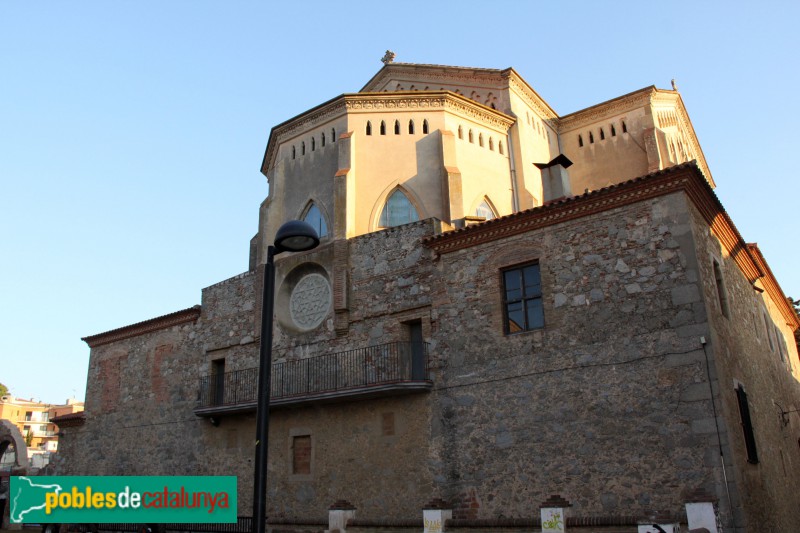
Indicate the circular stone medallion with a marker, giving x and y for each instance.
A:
(310, 301)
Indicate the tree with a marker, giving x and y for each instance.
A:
(3, 390)
(29, 439)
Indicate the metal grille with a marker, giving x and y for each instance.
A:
(394, 362)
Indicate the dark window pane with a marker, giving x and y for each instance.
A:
(533, 285)
(516, 317)
(512, 284)
(535, 313)
(523, 298)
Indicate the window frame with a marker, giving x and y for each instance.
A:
(745, 420)
(523, 298)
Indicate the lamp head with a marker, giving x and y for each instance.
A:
(295, 236)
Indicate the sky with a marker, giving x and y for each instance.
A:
(132, 132)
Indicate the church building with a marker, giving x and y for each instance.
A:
(506, 304)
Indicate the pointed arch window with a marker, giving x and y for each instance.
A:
(397, 127)
(303, 148)
(602, 135)
(591, 138)
(369, 128)
(470, 136)
(480, 140)
(323, 138)
(398, 210)
(314, 217)
(411, 127)
(313, 144)
(333, 135)
(613, 131)
(624, 127)
(500, 147)
(460, 132)
(294, 152)
(425, 126)
(491, 144)
(485, 210)
(580, 141)
(383, 127)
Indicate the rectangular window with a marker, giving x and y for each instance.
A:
(779, 343)
(522, 300)
(28, 416)
(747, 425)
(721, 294)
(217, 381)
(301, 454)
(387, 424)
(769, 337)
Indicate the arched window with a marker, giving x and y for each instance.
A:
(333, 135)
(500, 147)
(411, 127)
(469, 135)
(383, 127)
(484, 210)
(313, 144)
(397, 127)
(591, 138)
(303, 148)
(480, 139)
(460, 132)
(323, 138)
(314, 217)
(613, 131)
(369, 128)
(491, 144)
(425, 126)
(397, 210)
(580, 141)
(294, 152)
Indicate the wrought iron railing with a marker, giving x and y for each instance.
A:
(383, 364)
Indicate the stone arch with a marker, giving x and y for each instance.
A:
(409, 193)
(323, 214)
(11, 436)
(481, 199)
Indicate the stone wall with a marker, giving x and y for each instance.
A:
(608, 404)
(743, 354)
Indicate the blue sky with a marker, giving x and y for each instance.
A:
(131, 133)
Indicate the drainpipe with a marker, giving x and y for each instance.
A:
(513, 172)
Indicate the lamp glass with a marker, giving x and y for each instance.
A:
(297, 243)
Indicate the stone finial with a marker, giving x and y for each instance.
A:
(674, 85)
(341, 505)
(555, 500)
(388, 57)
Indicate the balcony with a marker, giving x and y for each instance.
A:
(382, 370)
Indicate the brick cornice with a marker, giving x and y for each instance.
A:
(69, 420)
(774, 289)
(154, 324)
(686, 178)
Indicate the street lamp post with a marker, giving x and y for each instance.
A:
(293, 236)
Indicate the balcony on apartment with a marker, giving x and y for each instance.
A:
(375, 371)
